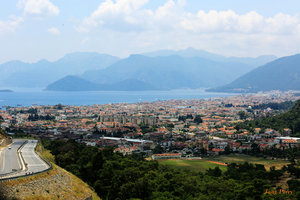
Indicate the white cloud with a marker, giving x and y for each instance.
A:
(123, 15)
(129, 15)
(170, 25)
(54, 31)
(229, 21)
(10, 25)
(38, 7)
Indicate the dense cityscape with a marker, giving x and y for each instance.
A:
(186, 128)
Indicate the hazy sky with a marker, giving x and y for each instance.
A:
(34, 29)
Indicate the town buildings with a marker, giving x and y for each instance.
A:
(140, 127)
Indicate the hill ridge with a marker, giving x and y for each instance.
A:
(281, 74)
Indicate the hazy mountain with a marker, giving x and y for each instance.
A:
(42, 73)
(190, 52)
(281, 74)
(168, 72)
(6, 91)
(11, 67)
(74, 83)
(192, 68)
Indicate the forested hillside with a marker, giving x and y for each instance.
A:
(114, 176)
(281, 74)
(289, 119)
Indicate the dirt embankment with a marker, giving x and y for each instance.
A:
(4, 140)
(55, 184)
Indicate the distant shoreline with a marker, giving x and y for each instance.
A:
(99, 97)
(6, 91)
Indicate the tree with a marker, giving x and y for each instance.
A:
(255, 148)
(211, 146)
(198, 119)
(214, 172)
(227, 149)
(115, 176)
(274, 174)
(294, 185)
(59, 106)
(242, 114)
(158, 149)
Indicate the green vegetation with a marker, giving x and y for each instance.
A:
(289, 119)
(276, 75)
(36, 117)
(146, 129)
(240, 158)
(158, 149)
(194, 165)
(183, 118)
(242, 115)
(2, 132)
(204, 164)
(198, 119)
(275, 106)
(18, 133)
(114, 176)
(58, 106)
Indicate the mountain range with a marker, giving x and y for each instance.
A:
(163, 70)
(74, 83)
(191, 52)
(42, 73)
(169, 72)
(160, 70)
(281, 74)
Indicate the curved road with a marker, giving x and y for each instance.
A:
(33, 162)
(10, 160)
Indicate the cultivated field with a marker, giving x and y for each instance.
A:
(195, 165)
(206, 163)
(239, 158)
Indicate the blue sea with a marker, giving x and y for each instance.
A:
(28, 98)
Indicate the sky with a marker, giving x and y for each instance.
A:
(31, 30)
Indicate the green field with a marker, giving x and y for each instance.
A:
(204, 164)
(251, 159)
(195, 165)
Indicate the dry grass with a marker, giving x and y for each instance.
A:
(79, 187)
(194, 165)
(45, 153)
(240, 158)
(29, 179)
(54, 184)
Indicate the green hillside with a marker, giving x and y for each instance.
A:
(289, 119)
(281, 74)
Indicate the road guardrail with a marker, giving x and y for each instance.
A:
(13, 175)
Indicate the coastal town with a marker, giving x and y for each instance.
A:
(160, 129)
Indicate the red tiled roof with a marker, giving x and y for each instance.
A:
(167, 154)
(217, 150)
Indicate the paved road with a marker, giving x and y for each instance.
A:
(33, 161)
(9, 158)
